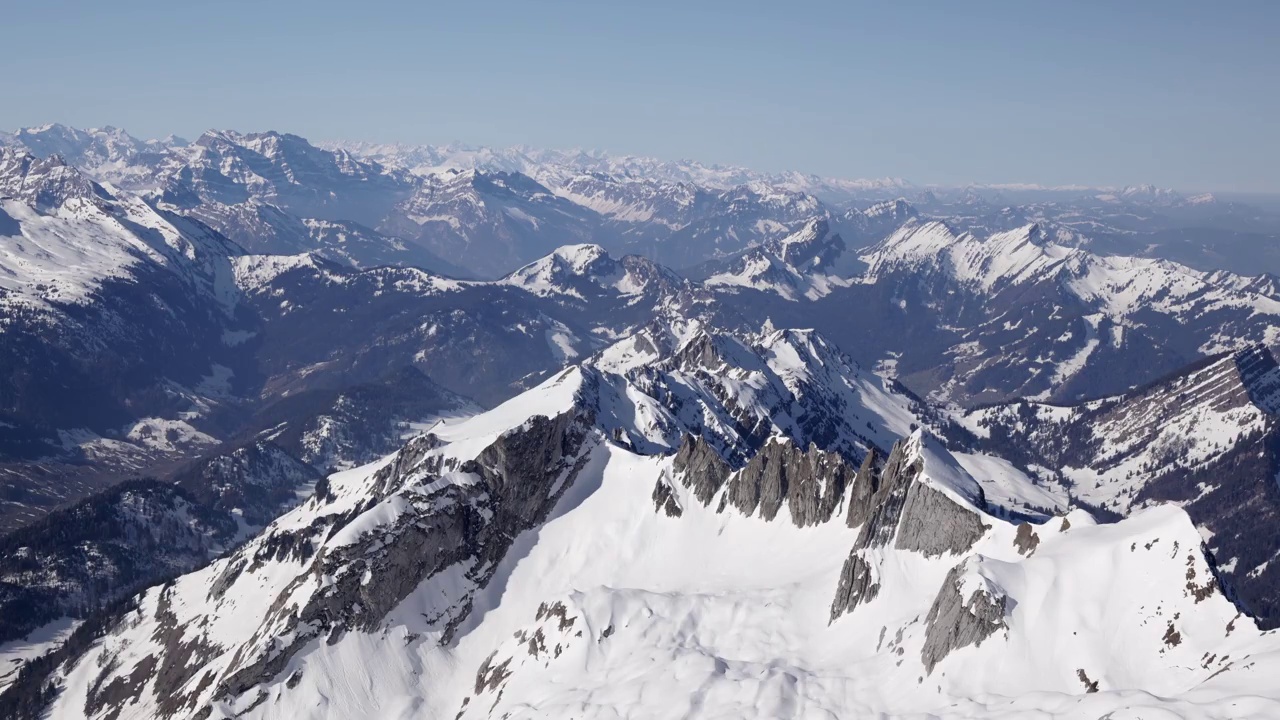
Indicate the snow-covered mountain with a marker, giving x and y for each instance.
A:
(681, 224)
(491, 222)
(678, 213)
(737, 218)
(872, 224)
(325, 324)
(555, 167)
(262, 228)
(106, 154)
(113, 309)
(970, 318)
(1148, 194)
(1205, 438)
(551, 557)
(813, 260)
(1062, 317)
(586, 272)
(808, 263)
(140, 532)
(281, 169)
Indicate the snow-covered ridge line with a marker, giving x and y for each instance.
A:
(459, 562)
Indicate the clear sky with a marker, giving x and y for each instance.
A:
(1181, 94)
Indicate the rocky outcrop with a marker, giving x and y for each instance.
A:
(700, 468)
(858, 584)
(521, 476)
(1026, 541)
(664, 499)
(893, 504)
(865, 485)
(933, 524)
(901, 510)
(955, 621)
(811, 482)
(882, 507)
(1260, 375)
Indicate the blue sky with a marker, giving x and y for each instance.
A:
(1179, 94)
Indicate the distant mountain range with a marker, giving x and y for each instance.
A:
(355, 430)
(483, 212)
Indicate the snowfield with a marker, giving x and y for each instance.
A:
(612, 607)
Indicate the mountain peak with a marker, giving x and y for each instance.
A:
(47, 183)
(808, 242)
(897, 210)
(581, 256)
(570, 270)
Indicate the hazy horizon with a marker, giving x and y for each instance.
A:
(1089, 94)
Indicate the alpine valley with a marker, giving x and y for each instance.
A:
(351, 430)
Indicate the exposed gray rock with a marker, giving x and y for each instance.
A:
(954, 622)
(882, 507)
(865, 485)
(933, 524)
(919, 517)
(522, 476)
(891, 505)
(811, 482)
(857, 585)
(1090, 686)
(407, 463)
(664, 499)
(1027, 540)
(700, 468)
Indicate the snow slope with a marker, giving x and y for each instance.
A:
(522, 563)
(1120, 287)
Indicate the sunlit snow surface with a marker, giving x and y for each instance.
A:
(718, 615)
(39, 642)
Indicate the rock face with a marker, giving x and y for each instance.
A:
(858, 584)
(1260, 374)
(469, 526)
(893, 507)
(700, 468)
(933, 524)
(811, 482)
(665, 500)
(955, 622)
(1027, 540)
(865, 486)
